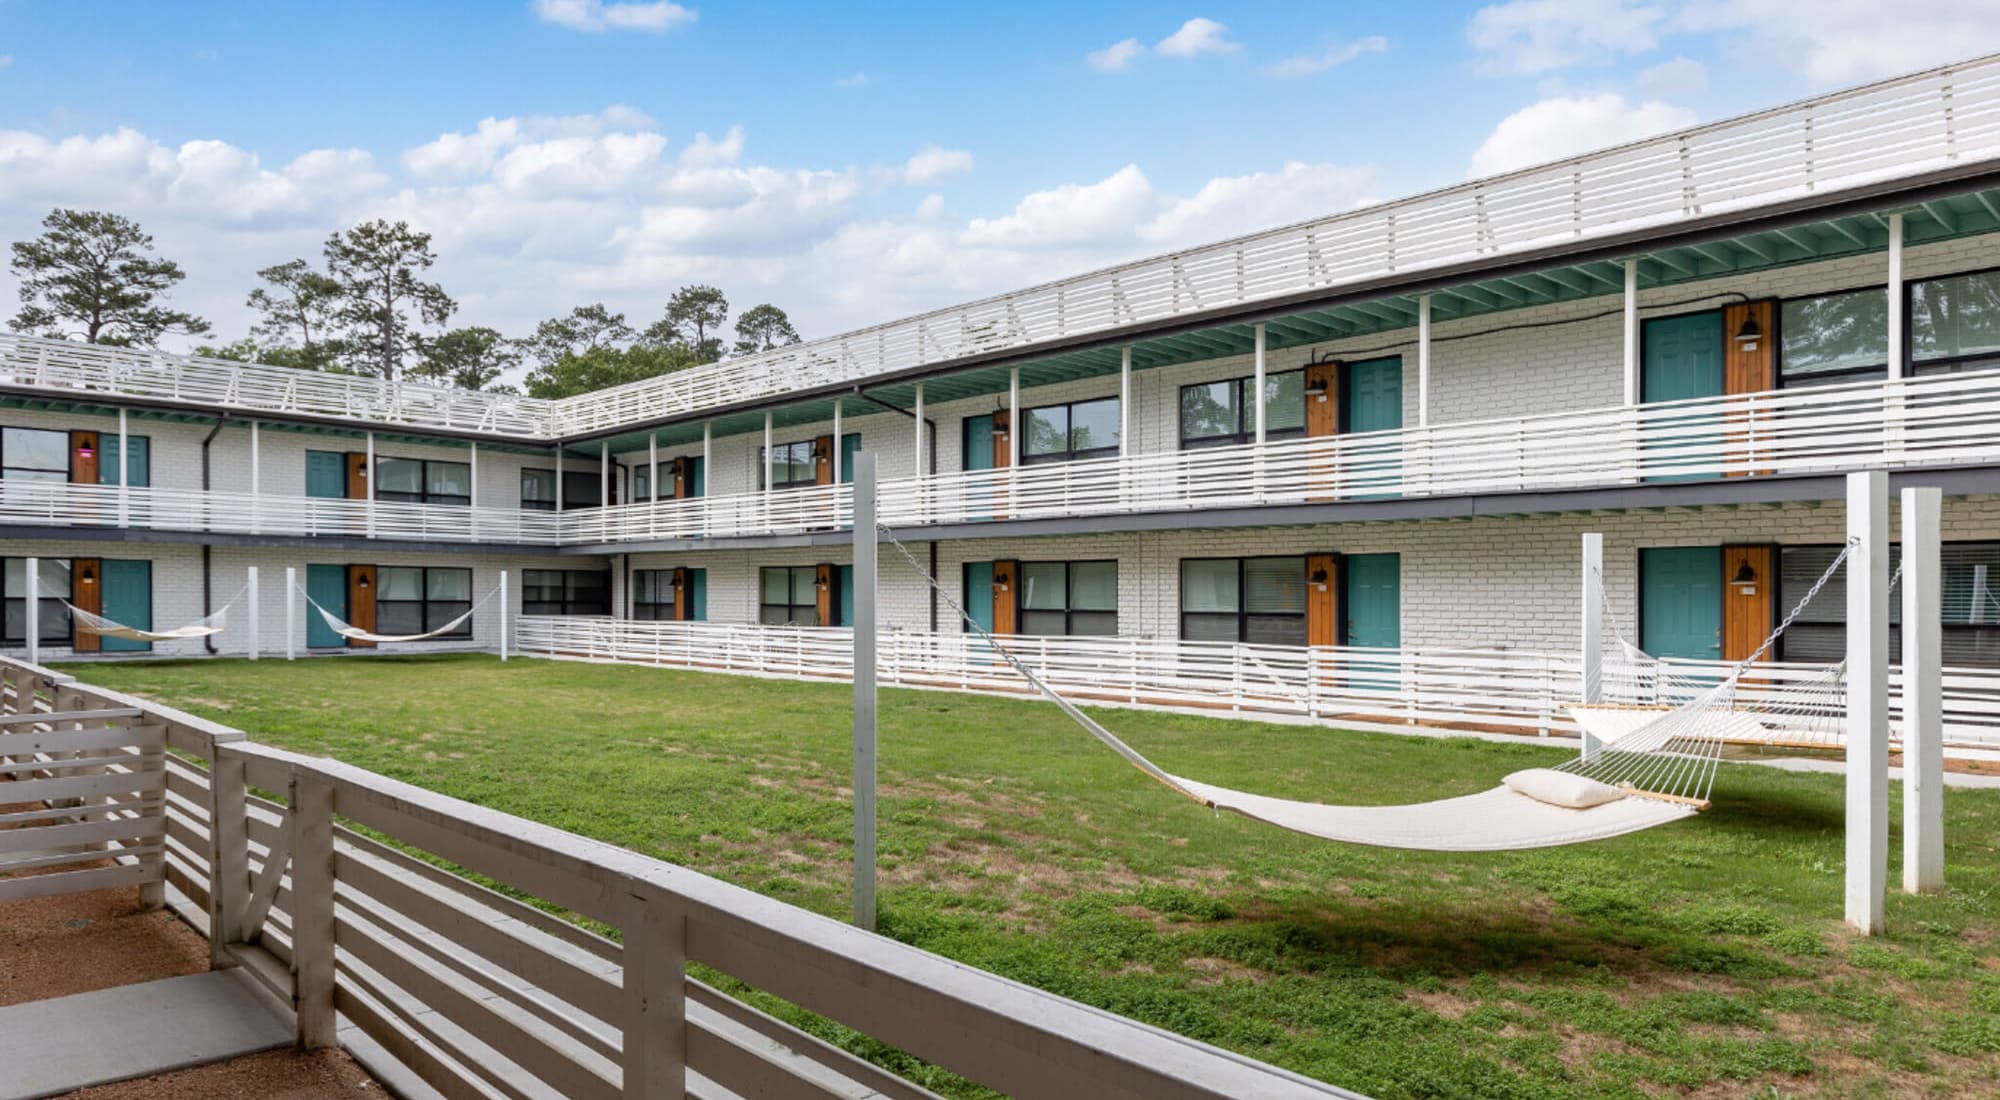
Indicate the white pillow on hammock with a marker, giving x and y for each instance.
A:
(1565, 789)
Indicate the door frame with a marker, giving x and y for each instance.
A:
(1639, 572)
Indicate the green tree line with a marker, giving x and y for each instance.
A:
(367, 308)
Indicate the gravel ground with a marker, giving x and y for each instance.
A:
(275, 1075)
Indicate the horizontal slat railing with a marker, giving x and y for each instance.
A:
(1510, 690)
(480, 993)
(64, 504)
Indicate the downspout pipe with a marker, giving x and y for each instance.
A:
(207, 550)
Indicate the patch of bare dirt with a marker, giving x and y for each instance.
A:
(273, 1075)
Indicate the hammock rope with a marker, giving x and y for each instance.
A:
(1658, 769)
(346, 629)
(90, 622)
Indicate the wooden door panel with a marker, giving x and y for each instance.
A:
(361, 583)
(1747, 604)
(1006, 574)
(86, 587)
(1322, 599)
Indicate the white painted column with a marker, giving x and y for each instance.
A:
(1895, 296)
(865, 550)
(1592, 641)
(1923, 691)
(1424, 361)
(368, 482)
(32, 585)
(1631, 332)
(256, 478)
(472, 490)
(1867, 698)
(1014, 425)
(839, 468)
(918, 465)
(1257, 383)
(504, 597)
(604, 490)
(767, 452)
(250, 611)
(291, 613)
(707, 471)
(124, 472)
(652, 466)
(1124, 401)
(559, 486)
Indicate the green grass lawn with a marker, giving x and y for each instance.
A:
(1703, 958)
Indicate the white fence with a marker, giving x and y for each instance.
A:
(1476, 689)
(485, 994)
(64, 504)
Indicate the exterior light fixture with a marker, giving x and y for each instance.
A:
(1745, 580)
(85, 450)
(89, 575)
(1000, 582)
(363, 582)
(1749, 333)
(1319, 579)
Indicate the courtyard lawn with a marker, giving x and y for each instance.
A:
(1703, 958)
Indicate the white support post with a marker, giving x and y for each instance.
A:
(1124, 401)
(652, 467)
(1923, 691)
(1257, 383)
(865, 549)
(918, 465)
(368, 481)
(767, 453)
(1424, 361)
(839, 467)
(504, 609)
(1895, 296)
(1631, 332)
(1867, 698)
(33, 587)
(124, 473)
(559, 485)
(604, 474)
(707, 471)
(472, 490)
(1014, 426)
(1592, 688)
(291, 613)
(256, 478)
(250, 610)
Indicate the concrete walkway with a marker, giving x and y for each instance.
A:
(51, 1047)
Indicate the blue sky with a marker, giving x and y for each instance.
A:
(861, 160)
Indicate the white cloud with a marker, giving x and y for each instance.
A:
(705, 151)
(854, 80)
(1567, 125)
(1115, 57)
(1072, 214)
(932, 163)
(1334, 56)
(6, 59)
(1197, 36)
(1679, 77)
(1836, 42)
(1524, 37)
(596, 15)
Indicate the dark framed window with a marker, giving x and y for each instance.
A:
(54, 589)
(416, 600)
(1954, 322)
(791, 465)
(1838, 337)
(538, 490)
(1259, 600)
(788, 595)
(581, 489)
(653, 595)
(1222, 413)
(565, 592)
(1077, 598)
(423, 481)
(1066, 433)
(1970, 615)
(33, 454)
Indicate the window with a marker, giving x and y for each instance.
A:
(1260, 600)
(30, 454)
(54, 589)
(1970, 616)
(1840, 337)
(410, 600)
(139, 463)
(538, 490)
(1065, 433)
(653, 595)
(1069, 598)
(565, 592)
(1217, 414)
(788, 595)
(423, 481)
(791, 465)
(1955, 322)
(642, 480)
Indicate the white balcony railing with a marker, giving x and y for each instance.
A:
(1501, 689)
(62, 504)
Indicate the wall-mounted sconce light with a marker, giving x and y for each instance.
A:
(1000, 582)
(1749, 333)
(1319, 579)
(1745, 580)
(363, 582)
(89, 575)
(85, 450)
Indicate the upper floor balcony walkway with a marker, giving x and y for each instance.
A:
(1865, 145)
(1931, 422)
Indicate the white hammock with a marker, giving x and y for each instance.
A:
(346, 629)
(1654, 772)
(92, 623)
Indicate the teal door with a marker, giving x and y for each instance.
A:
(1680, 602)
(128, 598)
(979, 594)
(140, 463)
(1373, 397)
(697, 477)
(327, 584)
(977, 444)
(1372, 594)
(844, 578)
(698, 581)
(1681, 359)
(850, 445)
(326, 476)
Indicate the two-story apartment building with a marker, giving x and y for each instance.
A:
(1203, 478)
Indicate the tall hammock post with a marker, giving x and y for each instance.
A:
(1923, 692)
(1867, 698)
(250, 588)
(34, 609)
(1591, 690)
(866, 542)
(291, 613)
